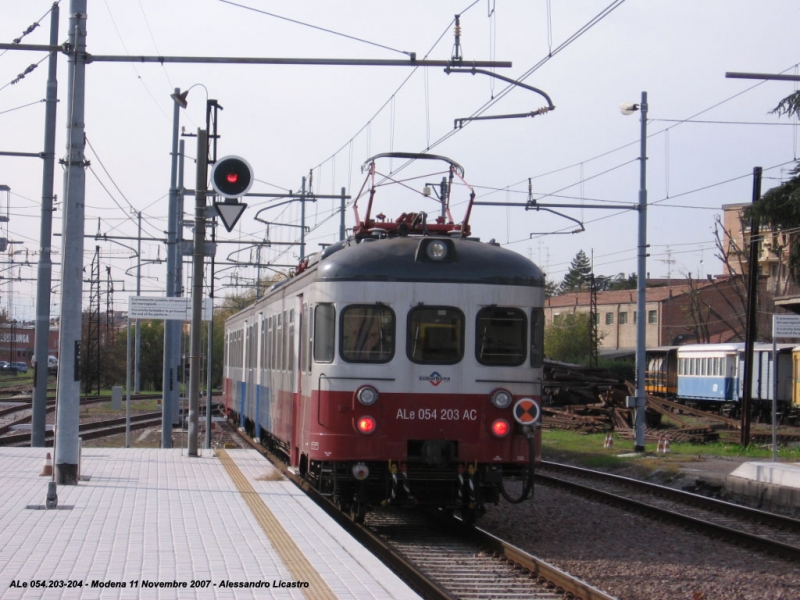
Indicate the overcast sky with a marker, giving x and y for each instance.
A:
(705, 132)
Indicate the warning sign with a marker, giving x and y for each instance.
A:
(165, 309)
(526, 411)
(786, 326)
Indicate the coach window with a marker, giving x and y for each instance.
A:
(367, 333)
(435, 335)
(501, 336)
(324, 329)
(537, 337)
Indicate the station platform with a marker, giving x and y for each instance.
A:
(153, 523)
(767, 485)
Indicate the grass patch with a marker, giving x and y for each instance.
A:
(587, 450)
(105, 409)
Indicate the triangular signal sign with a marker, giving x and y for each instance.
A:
(229, 212)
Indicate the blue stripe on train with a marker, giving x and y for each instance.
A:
(719, 389)
(264, 417)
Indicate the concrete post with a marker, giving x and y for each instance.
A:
(45, 268)
(66, 447)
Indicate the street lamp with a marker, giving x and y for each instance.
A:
(639, 401)
(172, 329)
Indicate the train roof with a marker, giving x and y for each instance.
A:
(403, 258)
(731, 347)
(663, 349)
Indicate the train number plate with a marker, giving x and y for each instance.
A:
(437, 414)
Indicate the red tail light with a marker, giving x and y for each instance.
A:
(500, 428)
(366, 425)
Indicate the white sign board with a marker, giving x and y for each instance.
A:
(786, 326)
(165, 309)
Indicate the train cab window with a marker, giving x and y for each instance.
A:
(324, 330)
(435, 335)
(367, 333)
(501, 336)
(537, 337)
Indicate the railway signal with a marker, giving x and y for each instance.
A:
(231, 177)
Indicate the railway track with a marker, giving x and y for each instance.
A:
(23, 407)
(442, 558)
(767, 532)
(469, 563)
(91, 430)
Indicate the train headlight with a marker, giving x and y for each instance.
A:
(367, 395)
(360, 471)
(436, 250)
(501, 399)
(366, 424)
(501, 428)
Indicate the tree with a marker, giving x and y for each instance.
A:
(550, 288)
(620, 281)
(779, 208)
(567, 338)
(577, 278)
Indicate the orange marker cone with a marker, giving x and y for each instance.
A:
(609, 443)
(47, 470)
(666, 445)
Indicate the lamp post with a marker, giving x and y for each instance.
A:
(172, 329)
(639, 402)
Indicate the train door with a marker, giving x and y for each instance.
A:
(292, 375)
(304, 385)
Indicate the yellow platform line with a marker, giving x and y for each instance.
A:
(290, 554)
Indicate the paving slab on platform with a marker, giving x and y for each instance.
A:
(151, 523)
(782, 474)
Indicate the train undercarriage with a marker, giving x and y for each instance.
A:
(430, 478)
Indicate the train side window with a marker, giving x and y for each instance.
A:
(279, 341)
(324, 330)
(537, 337)
(368, 333)
(290, 357)
(500, 339)
(271, 343)
(435, 335)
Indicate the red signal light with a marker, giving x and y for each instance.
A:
(232, 177)
(366, 424)
(500, 428)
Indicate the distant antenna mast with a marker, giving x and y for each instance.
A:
(669, 262)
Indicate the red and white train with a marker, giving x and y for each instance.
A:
(401, 366)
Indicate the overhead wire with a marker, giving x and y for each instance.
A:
(317, 27)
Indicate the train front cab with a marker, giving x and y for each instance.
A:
(384, 412)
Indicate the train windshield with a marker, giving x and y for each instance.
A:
(367, 333)
(501, 336)
(436, 335)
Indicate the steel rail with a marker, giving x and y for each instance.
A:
(685, 498)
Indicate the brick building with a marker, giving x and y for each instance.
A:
(700, 311)
(17, 342)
